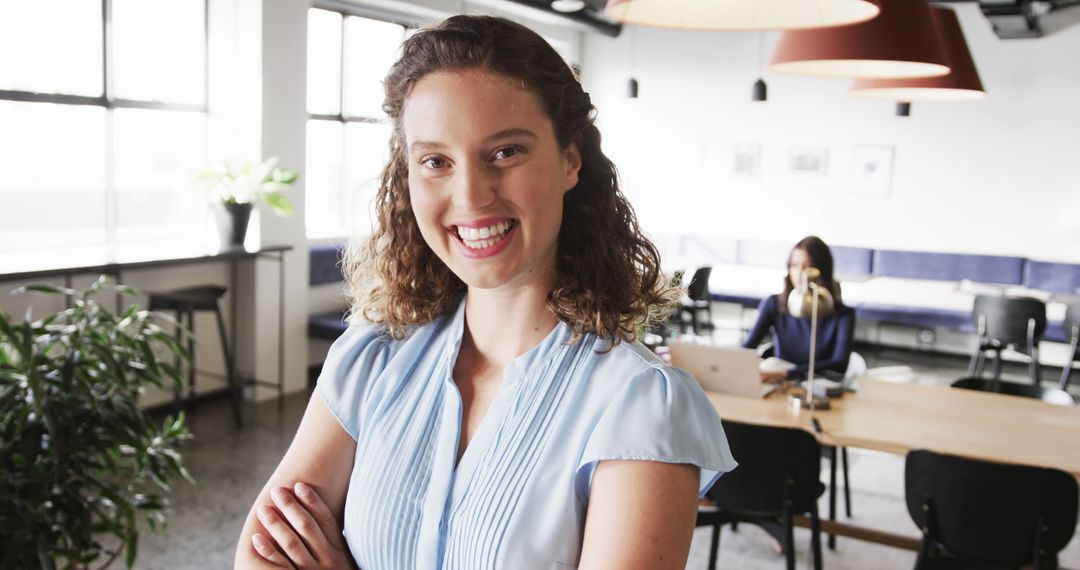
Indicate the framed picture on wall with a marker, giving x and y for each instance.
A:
(746, 160)
(871, 173)
(808, 160)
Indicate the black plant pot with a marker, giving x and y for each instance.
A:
(232, 222)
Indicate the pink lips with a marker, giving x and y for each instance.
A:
(493, 249)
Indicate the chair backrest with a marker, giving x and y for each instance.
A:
(698, 290)
(1072, 320)
(990, 512)
(1006, 318)
(769, 458)
(1054, 396)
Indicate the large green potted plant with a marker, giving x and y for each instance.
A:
(80, 462)
(237, 185)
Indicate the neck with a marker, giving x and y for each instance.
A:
(503, 325)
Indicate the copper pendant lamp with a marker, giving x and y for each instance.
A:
(741, 15)
(962, 83)
(901, 42)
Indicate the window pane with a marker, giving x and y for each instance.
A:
(366, 152)
(53, 186)
(371, 47)
(155, 152)
(160, 48)
(323, 179)
(51, 46)
(324, 62)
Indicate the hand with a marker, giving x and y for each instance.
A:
(773, 376)
(303, 531)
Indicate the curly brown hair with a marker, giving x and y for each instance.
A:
(608, 275)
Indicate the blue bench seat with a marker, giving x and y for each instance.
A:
(327, 326)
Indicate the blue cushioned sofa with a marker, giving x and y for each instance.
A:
(325, 268)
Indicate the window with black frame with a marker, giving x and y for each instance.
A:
(347, 131)
(103, 112)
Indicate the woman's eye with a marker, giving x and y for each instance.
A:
(508, 152)
(432, 162)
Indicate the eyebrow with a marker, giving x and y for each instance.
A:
(503, 134)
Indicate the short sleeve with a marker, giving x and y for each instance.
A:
(661, 414)
(354, 360)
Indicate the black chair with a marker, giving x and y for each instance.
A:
(1007, 322)
(777, 478)
(1049, 395)
(698, 300)
(185, 303)
(1072, 332)
(989, 514)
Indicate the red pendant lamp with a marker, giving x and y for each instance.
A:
(901, 42)
(962, 83)
(741, 15)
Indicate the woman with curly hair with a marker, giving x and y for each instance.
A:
(489, 407)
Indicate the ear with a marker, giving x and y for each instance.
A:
(572, 161)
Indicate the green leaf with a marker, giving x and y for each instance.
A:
(46, 289)
(132, 549)
(281, 204)
(97, 285)
(126, 290)
(285, 176)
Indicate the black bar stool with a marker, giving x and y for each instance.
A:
(185, 302)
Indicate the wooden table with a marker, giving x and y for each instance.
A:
(897, 418)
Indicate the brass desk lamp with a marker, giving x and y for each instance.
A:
(809, 301)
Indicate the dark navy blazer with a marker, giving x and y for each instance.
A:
(791, 337)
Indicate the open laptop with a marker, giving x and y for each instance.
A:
(726, 369)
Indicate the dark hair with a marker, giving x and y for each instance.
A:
(608, 276)
(820, 258)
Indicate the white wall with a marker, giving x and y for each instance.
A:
(996, 176)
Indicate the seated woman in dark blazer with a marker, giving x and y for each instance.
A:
(791, 334)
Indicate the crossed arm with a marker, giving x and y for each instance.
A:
(641, 513)
(296, 520)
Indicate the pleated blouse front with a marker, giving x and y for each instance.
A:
(519, 495)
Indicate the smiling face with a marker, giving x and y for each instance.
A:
(486, 177)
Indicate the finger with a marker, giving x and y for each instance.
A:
(269, 552)
(302, 522)
(321, 512)
(285, 537)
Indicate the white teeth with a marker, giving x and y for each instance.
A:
(481, 238)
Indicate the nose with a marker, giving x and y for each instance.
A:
(474, 186)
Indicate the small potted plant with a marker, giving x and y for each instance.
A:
(234, 188)
(80, 461)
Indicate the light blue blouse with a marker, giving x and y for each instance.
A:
(519, 495)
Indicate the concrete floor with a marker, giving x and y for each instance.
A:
(230, 467)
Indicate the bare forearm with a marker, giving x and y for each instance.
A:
(246, 557)
(321, 457)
